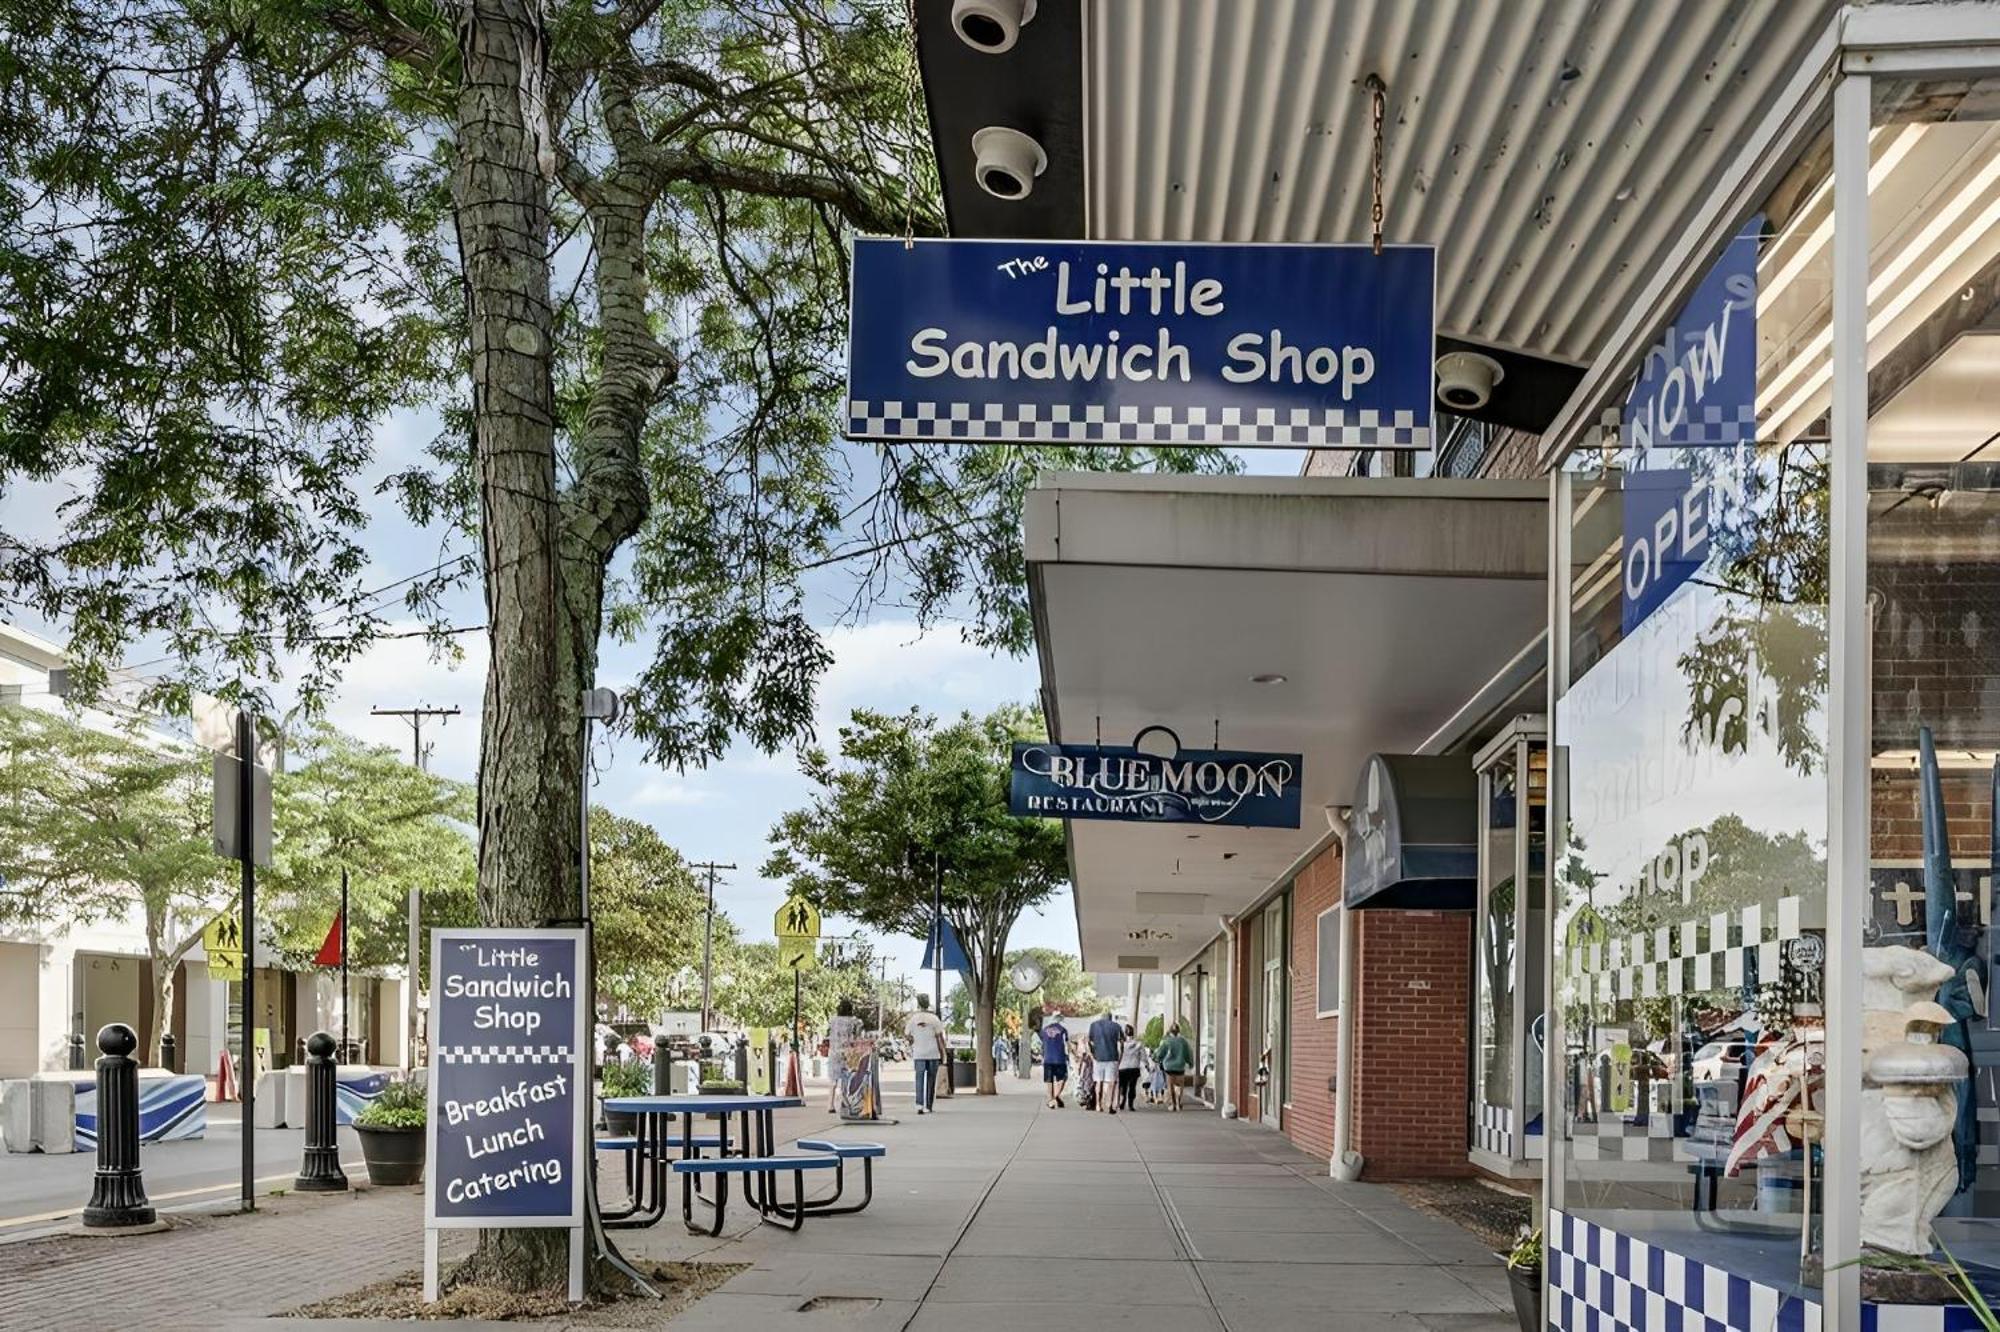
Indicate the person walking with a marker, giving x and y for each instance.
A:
(1000, 1048)
(1055, 1059)
(1131, 1058)
(840, 1034)
(927, 1044)
(1154, 1079)
(1175, 1054)
(1107, 1040)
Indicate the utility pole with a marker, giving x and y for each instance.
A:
(708, 938)
(416, 717)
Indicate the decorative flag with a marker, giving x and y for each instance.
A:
(1790, 1075)
(944, 938)
(334, 950)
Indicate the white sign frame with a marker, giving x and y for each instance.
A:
(580, 1155)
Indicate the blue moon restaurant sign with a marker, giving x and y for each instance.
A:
(1078, 342)
(1122, 783)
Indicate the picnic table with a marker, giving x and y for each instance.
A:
(656, 1146)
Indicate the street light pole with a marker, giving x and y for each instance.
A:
(708, 939)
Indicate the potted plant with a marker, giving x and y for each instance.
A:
(623, 1077)
(1524, 1278)
(964, 1069)
(391, 1129)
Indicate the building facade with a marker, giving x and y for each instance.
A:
(1695, 943)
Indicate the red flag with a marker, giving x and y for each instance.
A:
(335, 948)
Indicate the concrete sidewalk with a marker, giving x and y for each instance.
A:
(998, 1213)
(993, 1213)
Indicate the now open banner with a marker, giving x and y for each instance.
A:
(1102, 342)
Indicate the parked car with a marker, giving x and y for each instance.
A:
(1721, 1061)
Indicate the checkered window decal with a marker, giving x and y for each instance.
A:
(1096, 423)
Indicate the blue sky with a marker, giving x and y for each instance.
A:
(723, 813)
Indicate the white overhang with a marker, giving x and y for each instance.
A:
(1384, 604)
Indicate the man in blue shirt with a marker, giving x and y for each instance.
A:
(1055, 1059)
(1107, 1039)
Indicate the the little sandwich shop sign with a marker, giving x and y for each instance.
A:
(1141, 343)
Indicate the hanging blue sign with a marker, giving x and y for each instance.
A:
(1121, 783)
(1089, 342)
(1697, 386)
(509, 1080)
(1671, 516)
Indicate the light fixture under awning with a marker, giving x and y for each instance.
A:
(1413, 841)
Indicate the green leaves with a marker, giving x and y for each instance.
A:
(910, 804)
(345, 805)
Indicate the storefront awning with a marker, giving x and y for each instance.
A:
(1330, 618)
(1554, 152)
(1413, 834)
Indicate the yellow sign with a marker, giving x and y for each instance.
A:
(223, 942)
(799, 952)
(797, 918)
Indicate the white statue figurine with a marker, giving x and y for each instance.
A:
(1909, 1099)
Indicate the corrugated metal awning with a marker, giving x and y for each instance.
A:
(1553, 151)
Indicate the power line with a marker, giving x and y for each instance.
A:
(416, 717)
(708, 935)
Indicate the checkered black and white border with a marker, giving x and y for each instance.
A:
(1687, 958)
(1602, 1281)
(1095, 423)
(1493, 1129)
(504, 1054)
(1614, 1138)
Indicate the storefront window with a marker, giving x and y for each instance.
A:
(1508, 971)
(1930, 1112)
(1690, 882)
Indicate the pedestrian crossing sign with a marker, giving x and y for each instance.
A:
(797, 918)
(798, 952)
(223, 942)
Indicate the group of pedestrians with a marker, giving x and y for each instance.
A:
(1112, 1063)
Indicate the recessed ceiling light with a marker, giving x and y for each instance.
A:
(1268, 677)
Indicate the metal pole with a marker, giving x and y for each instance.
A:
(797, 986)
(246, 831)
(414, 988)
(343, 967)
(708, 940)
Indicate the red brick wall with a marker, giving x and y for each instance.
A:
(1412, 1012)
(1315, 1040)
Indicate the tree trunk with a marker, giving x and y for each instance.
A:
(985, 1002)
(162, 1018)
(530, 765)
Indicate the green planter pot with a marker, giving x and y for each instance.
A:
(395, 1156)
(1526, 1285)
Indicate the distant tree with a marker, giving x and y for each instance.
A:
(754, 991)
(94, 824)
(646, 918)
(342, 804)
(1066, 987)
(911, 808)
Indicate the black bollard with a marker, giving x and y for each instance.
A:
(743, 1060)
(320, 1171)
(663, 1062)
(170, 1058)
(76, 1055)
(118, 1193)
